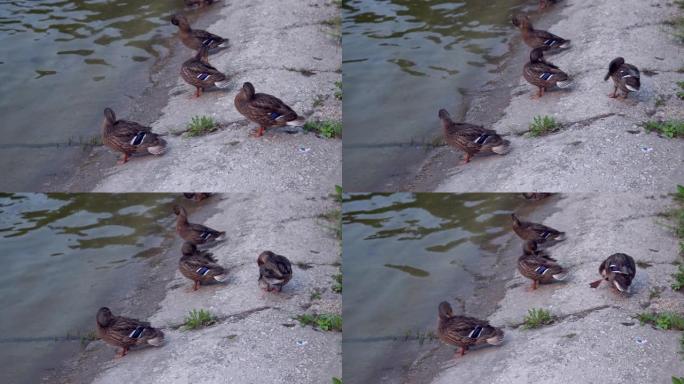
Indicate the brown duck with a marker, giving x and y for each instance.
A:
(536, 232)
(266, 110)
(200, 266)
(200, 74)
(538, 266)
(196, 38)
(465, 332)
(536, 38)
(470, 138)
(124, 332)
(274, 271)
(543, 74)
(618, 270)
(625, 77)
(194, 233)
(129, 137)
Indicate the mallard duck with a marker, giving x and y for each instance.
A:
(619, 270)
(197, 196)
(537, 232)
(200, 74)
(129, 137)
(463, 331)
(625, 77)
(538, 266)
(125, 332)
(471, 138)
(199, 3)
(200, 266)
(546, 3)
(536, 38)
(274, 271)
(196, 38)
(543, 74)
(266, 110)
(536, 195)
(194, 233)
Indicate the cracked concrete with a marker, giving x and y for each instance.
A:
(595, 337)
(256, 338)
(273, 48)
(606, 149)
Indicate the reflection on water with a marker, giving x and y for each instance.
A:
(64, 256)
(403, 61)
(61, 63)
(412, 251)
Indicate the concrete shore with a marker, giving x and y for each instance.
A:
(595, 338)
(256, 338)
(289, 49)
(601, 145)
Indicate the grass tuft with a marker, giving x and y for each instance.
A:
(326, 128)
(680, 94)
(200, 125)
(335, 380)
(537, 317)
(199, 319)
(670, 128)
(338, 91)
(543, 125)
(664, 320)
(678, 284)
(324, 321)
(337, 285)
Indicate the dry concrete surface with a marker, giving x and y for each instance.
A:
(595, 339)
(256, 339)
(601, 146)
(285, 48)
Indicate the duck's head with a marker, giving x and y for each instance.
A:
(188, 249)
(180, 21)
(537, 55)
(614, 66)
(248, 90)
(179, 210)
(264, 256)
(104, 316)
(521, 21)
(622, 282)
(530, 247)
(203, 54)
(109, 115)
(445, 311)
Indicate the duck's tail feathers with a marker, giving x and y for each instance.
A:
(298, 122)
(496, 339)
(222, 84)
(560, 237)
(560, 276)
(158, 149)
(221, 278)
(565, 44)
(502, 149)
(564, 84)
(158, 340)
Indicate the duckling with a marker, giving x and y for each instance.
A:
(274, 271)
(129, 137)
(625, 77)
(536, 38)
(199, 3)
(543, 74)
(194, 233)
(538, 266)
(200, 74)
(619, 270)
(196, 38)
(125, 332)
(537, 232)
(471, 138)
(464, 331)
(197, 196)
(200, 266)
(546, 3)
(266, 110)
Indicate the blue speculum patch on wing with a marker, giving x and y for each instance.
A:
(138, 138)
(137, 332)
(540, 270)
(202, 270)
(475, 333)
(546, 76)
(274, 115)
(482, 139)
(203, 76)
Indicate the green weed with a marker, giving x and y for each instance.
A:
(198, 319)
(324, 321)
(200, 125)
(326, 128)
(670, 128)
(543, 125)
(664, 320)
(537, 317)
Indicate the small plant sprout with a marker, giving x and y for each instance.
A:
(200, 125)
(326, 128)
(324, 321)
(543, 125)
(537, 317)
(670, 128)
(199, 319)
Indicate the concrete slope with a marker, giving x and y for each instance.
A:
(601, 146)
(256, 339)
(595, 338)
(284, 48)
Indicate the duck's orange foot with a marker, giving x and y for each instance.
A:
(258, 133)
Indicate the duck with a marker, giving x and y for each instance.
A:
(625, 77)
(463, 331)
(540, 233)
(546, 3)
(200, 266)
(536, 195)
(536, 38)
(538, 266)
(266, 110)
(543, 74)
(274, 271)
(199, 3)
(619, 270)
(199, 196)
(129, 137)
(200, 74)
(196, 38)
(470, 138)
(194, 233)
(125, 332)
